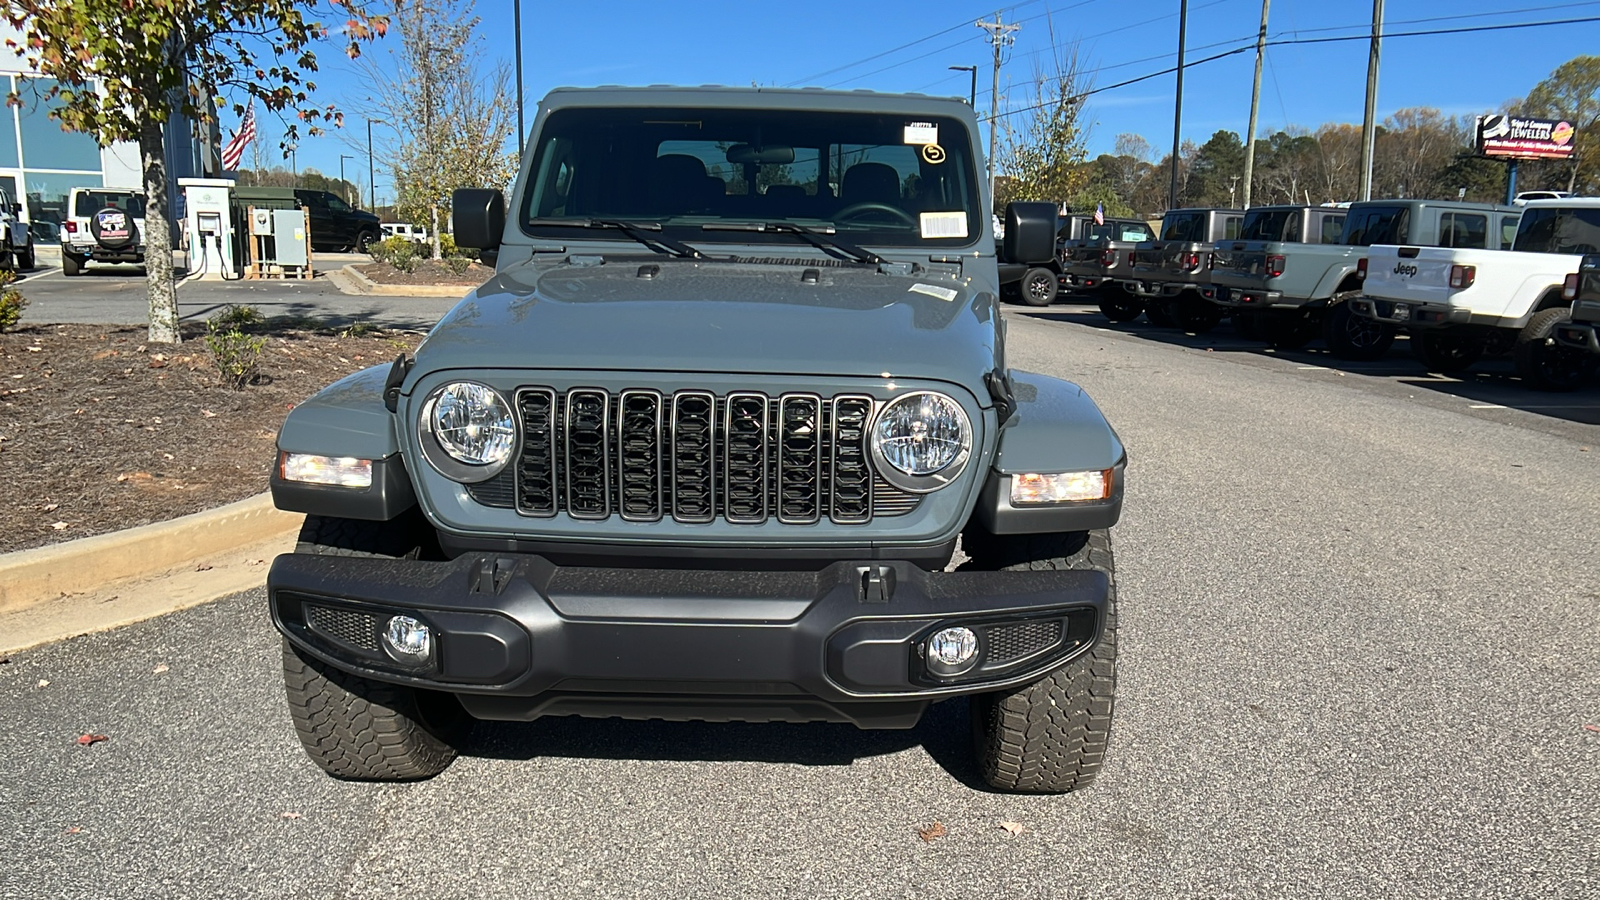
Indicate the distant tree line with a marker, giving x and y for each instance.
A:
(278, 176)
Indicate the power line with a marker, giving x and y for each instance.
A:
(906, 46)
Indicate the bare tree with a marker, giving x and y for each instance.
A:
(1043, 152)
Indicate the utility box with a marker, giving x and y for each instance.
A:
(276, 232)
(209, 224)
(292, 236)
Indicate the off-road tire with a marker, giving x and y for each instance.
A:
(1194, 314)
(1158, 312)
(1288, 330)
(1039, 287)
(1247, 322)
(71, 265)
(1354, 337)
(357, 728)
(1119, 306)
(1545, 364)
(1445, 353)
(1049, 737)
(24, 258)
(365, 240)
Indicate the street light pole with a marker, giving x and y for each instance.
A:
(342, 183)
(1177, 113)
(973, 102)
(372, 181)
(294, 165)
(516, 17)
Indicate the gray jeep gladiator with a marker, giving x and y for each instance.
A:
(1170, 272)
(704, 448)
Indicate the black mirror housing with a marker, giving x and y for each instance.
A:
(477, 217)
(1030, 232)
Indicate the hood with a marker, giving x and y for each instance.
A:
(711, 316)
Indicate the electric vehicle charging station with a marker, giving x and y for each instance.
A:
(209, 220)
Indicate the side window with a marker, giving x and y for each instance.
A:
(1291, 230)
(1508, 231)
(335, 204)
(1464, 230)
(1230, 227)
(1332, 228)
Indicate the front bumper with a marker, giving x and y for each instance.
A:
(1579, 336)
(518, 637)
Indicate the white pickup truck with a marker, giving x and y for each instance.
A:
(1458, 304)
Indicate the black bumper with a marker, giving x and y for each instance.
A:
(1579, 336)
(518, 637)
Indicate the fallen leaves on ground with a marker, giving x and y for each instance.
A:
(159, 670)
(85, 740)
(43, 683)
(290, 815)
(1594, 728)
(929, 833)
(73, 830)
(1012, 828)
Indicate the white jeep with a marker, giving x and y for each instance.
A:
(105, 225)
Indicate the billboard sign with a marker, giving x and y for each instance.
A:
(1515, 137)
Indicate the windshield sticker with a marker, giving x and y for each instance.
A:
(922, 133)
(945, 294)
(932, 154)
(944, 224)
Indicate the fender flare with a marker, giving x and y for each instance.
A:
(346, 418)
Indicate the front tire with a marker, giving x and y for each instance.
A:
(1049, 737)
(365, 240)
(1354, 337)
(1195, 314)
(1445, 353)
(1158, 312)
(358, 728)
(1545, 364)
(1039, 287)
(1119, 306)
(25, 257)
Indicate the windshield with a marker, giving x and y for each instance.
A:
(1376, 225)
(1271, 225)
(90, 202)
(880, 179)
(1558, 230)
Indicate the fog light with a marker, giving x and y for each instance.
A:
(952, 651)
(408, 640)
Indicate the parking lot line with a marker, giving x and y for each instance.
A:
(1486, 406)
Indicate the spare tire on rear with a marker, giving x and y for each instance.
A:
(114, 229)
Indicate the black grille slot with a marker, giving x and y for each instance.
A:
(357, 629)
(745, 449)
(799, 458)
(1013, 642)
(851, 484)
(694, 426)
(536, 468)
(587, 462)
(639, 455)
(499, 491)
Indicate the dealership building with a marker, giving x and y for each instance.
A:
(40, 163)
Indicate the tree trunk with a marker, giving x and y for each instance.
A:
(435, 230)
(158, 237)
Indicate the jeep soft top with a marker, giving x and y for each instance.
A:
(705, 447)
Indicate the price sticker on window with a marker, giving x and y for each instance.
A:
(922, 133)
(944, 224)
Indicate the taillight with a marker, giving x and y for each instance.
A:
(1361, 268)
(1130, 259)
(1274, 266)
(1463, 276)
(1108, 258)
(1569, 288)
(1191, 261)
(72, 227)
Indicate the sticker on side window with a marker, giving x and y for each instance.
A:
(944, 224)
(922, 133)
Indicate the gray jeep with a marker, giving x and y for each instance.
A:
(705, 448)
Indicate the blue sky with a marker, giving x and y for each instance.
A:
(851, 45)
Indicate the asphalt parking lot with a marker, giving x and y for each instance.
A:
(1359, 659)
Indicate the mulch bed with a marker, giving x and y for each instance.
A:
(427, 272)
(100, 431)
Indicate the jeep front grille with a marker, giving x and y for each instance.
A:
(695, 457)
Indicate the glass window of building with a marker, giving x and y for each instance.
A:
(44, 144)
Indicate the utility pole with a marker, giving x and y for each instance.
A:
(516, 17)
(1255, 106)
(1000, 35)
(1177, 115)
(1369, 129)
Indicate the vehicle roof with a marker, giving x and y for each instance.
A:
(1200, 209)
(1444, 204)
(712, 95)
(1581, 202)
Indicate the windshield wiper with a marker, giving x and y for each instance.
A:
(635, 230)
(821, 238)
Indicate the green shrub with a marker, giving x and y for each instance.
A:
(448, 248)
(237, 355)
(11, 302)
(239, 317)
(396, 251)
(458, 265)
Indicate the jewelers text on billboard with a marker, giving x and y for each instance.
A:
(1513, 137)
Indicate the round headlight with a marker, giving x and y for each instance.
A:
(473, 427)
(921, 441)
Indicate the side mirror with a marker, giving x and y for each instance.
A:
(1030, 232)
(477, 217)
(16, 209)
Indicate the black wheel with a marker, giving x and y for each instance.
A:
(72, 265)
(1248, 323)
(1445, 353)
(1158, 312)
(358, 728)
(1288, 330)
(1350, 336)
(1119, 305)
(1039, 287)
(24, 257)
(1050, 736)
(1545, 364)
(365, 240)
(1194, 314)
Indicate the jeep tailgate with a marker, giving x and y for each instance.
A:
(1417, 274)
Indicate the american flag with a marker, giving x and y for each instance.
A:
(1099, 213)
(233, 154)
